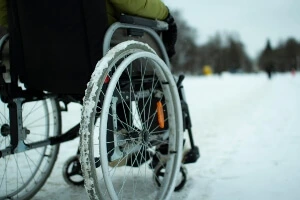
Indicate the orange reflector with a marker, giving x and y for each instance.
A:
(160, 114)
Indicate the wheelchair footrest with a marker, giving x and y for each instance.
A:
(191, 156)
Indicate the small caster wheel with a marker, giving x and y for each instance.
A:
(159, 173)
(72, 172)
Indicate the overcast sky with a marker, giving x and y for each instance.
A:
(253, 20)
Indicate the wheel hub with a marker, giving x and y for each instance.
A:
(145, 137)
(5, 130)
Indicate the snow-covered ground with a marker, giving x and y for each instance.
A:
(248, 131)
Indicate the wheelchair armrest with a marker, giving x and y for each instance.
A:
(153, 24)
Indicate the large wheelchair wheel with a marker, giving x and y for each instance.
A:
(23, 174)
(131, 123)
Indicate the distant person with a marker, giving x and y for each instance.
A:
(268, 59)
(269, 68)
(153, 9)
(293, 71)
(207, 70)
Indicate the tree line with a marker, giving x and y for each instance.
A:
(285, 57)
(225, 52)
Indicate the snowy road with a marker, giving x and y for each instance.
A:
(248, 131)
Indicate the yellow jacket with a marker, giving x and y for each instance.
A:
(154, 9)
(3, 13)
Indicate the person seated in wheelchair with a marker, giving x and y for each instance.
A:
(130, 141)
(154, 9)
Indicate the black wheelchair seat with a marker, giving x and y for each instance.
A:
(56, 44)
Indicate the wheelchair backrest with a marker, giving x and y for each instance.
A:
(55, 44)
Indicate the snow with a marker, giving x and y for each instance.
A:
(247, 128)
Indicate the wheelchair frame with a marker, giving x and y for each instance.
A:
(73, 132)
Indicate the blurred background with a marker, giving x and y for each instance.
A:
(236, 36)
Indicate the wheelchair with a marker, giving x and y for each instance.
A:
(134, 111)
